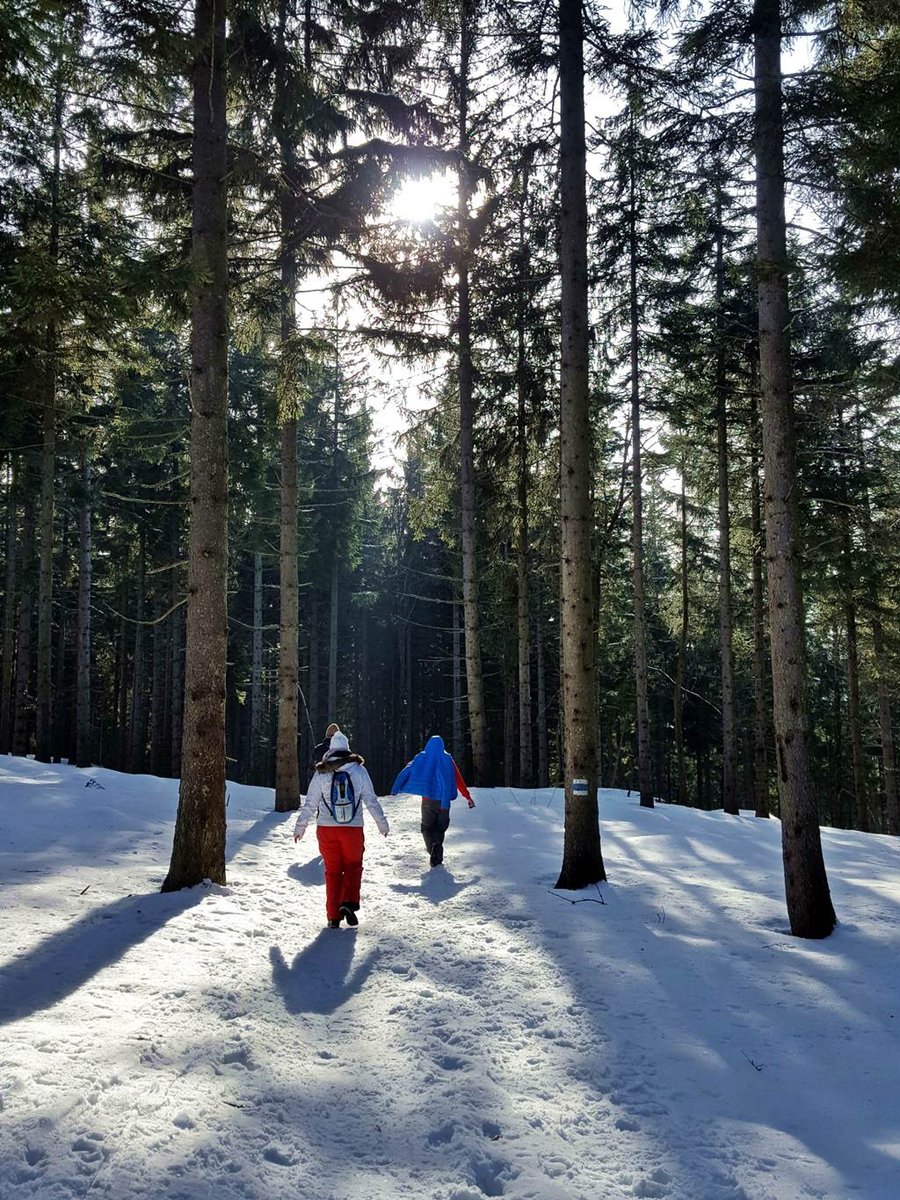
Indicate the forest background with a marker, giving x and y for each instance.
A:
(425, 598)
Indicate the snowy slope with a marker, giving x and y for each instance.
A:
(477, 1036)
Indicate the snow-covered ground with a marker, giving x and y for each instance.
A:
(477, 1036)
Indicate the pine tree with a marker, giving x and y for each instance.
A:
(582, 857)
(809, 904)
(198, 851)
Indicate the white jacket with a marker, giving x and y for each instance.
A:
(318, 794)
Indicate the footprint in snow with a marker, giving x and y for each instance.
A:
(653, 1186)
(448, 1062)
(440, 1136)
(279, 1156)
(491, 1175)
(89, 1149)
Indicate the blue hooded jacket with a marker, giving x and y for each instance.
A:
(431, 773)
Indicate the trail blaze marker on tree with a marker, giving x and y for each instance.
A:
(579, 787)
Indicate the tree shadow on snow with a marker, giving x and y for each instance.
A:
(310, 874)
(320, 978)
(66, 960)
(438, 885)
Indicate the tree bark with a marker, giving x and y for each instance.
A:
(256, 672)
(510, 719)
(198, 850)
(9, 608)
(137, 733)
(177, 701)
(760, 708)
(809, 905)
(680, 667)
(457, 741)
(44, 733)
(888, 756)
(860, 790)
(582, 857)
(523, 616)
(644, 752)
(287, 765)
(24, 700)
(885, 724)
(83, 714)
(157, 688)
(543, 754)
(726, 640)
(465, 378)
(334, 613)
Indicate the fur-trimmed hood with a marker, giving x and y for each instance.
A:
(338, 760)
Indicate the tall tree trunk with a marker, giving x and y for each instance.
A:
(62, 740)
(409, 694)
(510, 715)
(760, 708)
(83, 713)
(582, 857)
(457, 686)
(885, 724)
(178, 673)
(137, 734)
(680, 666)
(836, 773)
(157, 691)
(364, 687)
(315, 642)
(198, 850)
(726, 642)
(44, 735)
(120, 705)
(9, 608)
(287, 765)
(168, 685)
(854, 717)
(256, 672)
(888, 756)
(543, 754)
(334, 612)
(468, 504)
(644, 759)
(809, 905)
(24, 700)
(860, 791)
(523, 616)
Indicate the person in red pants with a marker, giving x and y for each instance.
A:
(336, 794)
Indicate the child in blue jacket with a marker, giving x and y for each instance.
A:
(435, 777)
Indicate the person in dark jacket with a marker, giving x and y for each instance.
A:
(435, 777)
(322, 748)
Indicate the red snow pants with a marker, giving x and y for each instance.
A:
(342, 848)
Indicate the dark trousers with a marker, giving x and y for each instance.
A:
(434, 825)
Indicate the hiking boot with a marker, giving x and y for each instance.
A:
(334, 924)
(436, 857)
(349, 914)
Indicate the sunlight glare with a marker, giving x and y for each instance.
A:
(420, 199)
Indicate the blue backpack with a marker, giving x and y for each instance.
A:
(343, 804)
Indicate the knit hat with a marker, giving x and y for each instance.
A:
(332, 729)
(339, 744)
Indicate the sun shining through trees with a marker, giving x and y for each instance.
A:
(422, 198)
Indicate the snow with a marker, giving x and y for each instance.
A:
(478, 1035)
